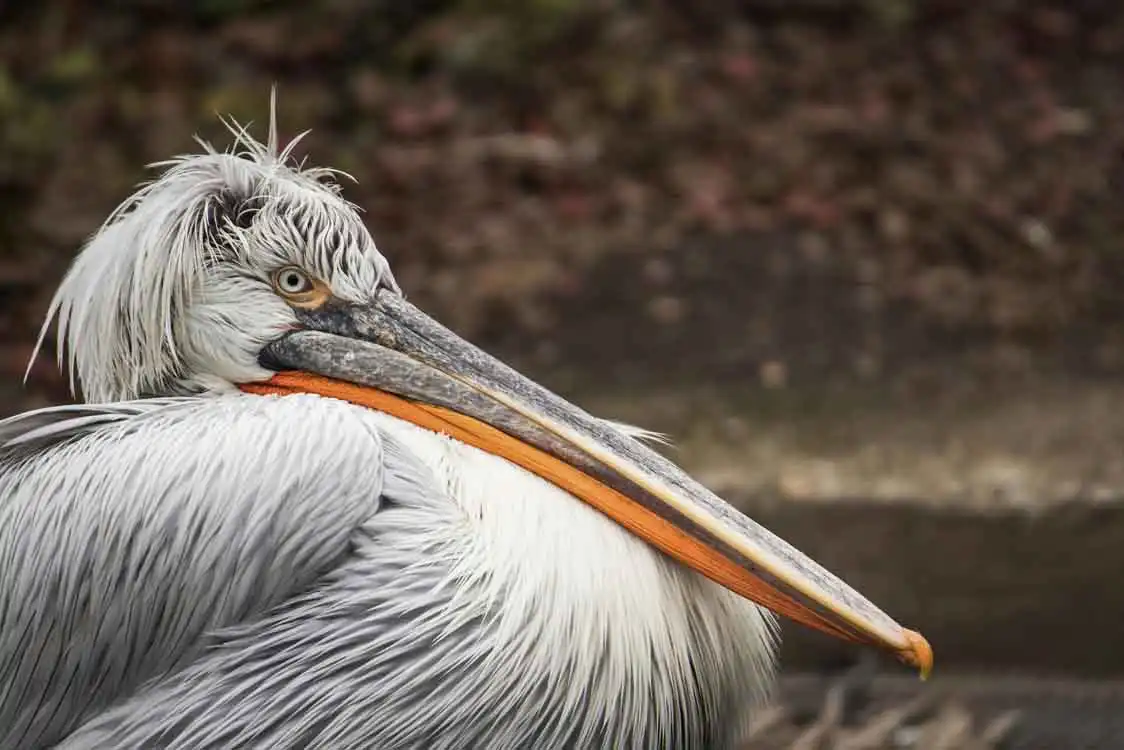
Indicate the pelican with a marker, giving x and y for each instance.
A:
(294, 511)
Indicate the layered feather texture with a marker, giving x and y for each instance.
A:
(185, 566)
(241, 571)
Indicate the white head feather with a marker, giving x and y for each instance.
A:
(172, 294)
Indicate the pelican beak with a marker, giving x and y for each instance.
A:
(392, 357)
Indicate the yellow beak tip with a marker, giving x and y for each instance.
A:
(918, 653)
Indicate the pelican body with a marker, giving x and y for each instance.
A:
(296, 512)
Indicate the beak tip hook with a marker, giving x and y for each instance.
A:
(918, 653)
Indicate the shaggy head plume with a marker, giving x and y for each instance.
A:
(156, 303)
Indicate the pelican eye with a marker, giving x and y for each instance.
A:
(298, 288)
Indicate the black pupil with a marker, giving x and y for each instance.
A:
(293, 281)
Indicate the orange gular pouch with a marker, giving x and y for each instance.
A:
(637, 518)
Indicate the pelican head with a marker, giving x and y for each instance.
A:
(238, 270)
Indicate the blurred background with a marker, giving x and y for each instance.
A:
(860, 258)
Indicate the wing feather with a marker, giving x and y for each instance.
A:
(129, 531)
(29, 433)
(342, 665)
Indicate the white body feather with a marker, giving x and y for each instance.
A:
(475, 605)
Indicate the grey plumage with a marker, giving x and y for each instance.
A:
(304, 598)
(86, 534)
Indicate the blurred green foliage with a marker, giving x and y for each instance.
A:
(892, 14)
(491, 37)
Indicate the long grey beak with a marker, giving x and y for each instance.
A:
(393, 347)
